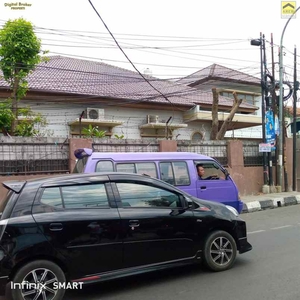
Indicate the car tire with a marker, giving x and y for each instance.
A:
(219, 251)
(41, 274)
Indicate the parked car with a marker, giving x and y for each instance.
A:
(86, 228)
(177, 168)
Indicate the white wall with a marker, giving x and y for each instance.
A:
(59, 115)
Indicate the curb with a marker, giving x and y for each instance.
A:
(270, 203)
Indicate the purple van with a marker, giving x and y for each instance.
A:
(176, 168)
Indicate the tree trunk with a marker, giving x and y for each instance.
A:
(214, 115)
(223, 129)
(15, 104)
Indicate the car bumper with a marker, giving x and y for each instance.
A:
(244, 245)
(3, 285)
(240, 206)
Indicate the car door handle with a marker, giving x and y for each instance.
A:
(134, 223)
(203, 187)
(56, 226)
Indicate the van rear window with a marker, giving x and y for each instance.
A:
(104, 166)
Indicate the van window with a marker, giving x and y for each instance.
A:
(175, 173)
(104, 166)
(148, 168)
(211, 169)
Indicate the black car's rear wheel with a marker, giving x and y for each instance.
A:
(219, 251)
(38, 280)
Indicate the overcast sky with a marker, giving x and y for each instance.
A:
(171, 38)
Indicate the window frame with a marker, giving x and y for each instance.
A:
(64, 208)
(175, 178)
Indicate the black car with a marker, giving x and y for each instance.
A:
(61, 232)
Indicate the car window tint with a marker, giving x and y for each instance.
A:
(140, 195)
(181, 173)
(129, 168)
(52, 197)
(85, 196)
(146, 168)
(104, 166)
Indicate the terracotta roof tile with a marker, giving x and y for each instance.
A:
(221, 72)
(83, 77)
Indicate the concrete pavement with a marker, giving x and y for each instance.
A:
(265, 201)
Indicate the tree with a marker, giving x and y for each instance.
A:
(19, 54)
(217, 134)
(6, 117)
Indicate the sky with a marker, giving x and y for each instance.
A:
(168, 39)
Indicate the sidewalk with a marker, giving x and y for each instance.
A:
(264, 201)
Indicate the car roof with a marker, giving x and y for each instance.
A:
(70, 178)
(148, 155)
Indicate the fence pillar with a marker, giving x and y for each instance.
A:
(167, 146)
(75, 143)
(235, 154)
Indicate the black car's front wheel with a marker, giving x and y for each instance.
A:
(219, 251)
(38, 280)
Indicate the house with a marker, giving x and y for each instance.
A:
(227, 80)
(74, 93)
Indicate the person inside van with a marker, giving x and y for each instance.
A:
(201, 172)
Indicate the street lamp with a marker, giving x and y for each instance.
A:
(260, 42)
(281, 122)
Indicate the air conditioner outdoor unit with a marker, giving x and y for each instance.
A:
(95, 113)
(152, 119)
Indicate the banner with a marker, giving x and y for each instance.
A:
(270, 129)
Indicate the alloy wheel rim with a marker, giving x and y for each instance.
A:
(39, 284)
(221, 251)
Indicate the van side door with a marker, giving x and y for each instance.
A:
(215, 184)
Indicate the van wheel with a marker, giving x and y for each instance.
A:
(38, 280)
(219, 251)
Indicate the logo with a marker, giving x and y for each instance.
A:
(288, 8)
(17, 5)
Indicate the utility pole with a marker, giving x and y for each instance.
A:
(263, 107)
(266, 100)
(260, 42)
(296, 87)
(281, 123)
(274, 107)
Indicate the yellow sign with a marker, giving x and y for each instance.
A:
(287, 8)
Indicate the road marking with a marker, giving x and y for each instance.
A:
(257, 231)
(274, 228)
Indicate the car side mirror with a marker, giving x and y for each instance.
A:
(187, 203)
(190, 204)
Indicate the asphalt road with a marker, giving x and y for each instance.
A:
(271, 271)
